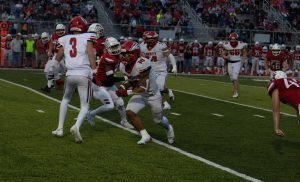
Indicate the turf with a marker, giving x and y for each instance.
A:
(238, 140)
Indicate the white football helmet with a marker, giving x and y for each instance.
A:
(276, 49)
(97, 29)
(210, 43)
(129, 38)
(220, 44)
(270, 46)
(265, 49)
(112, 46)
(45, 37)
(297, 47)
(279, 75)
(196, 41)
(170, 40)
(164, 40)
(143, 65)
(181, 41)
(122, 38)
(283, 46)
(60, 29)
(256, 44)
(140, 40)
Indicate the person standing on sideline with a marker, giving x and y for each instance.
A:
(29, 50)
(16, 46)
(78, 51)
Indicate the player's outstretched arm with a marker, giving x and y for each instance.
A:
(276, 112)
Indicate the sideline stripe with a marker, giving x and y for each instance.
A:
(226, 101)
(219, 115)
(40, 111)
(176, 114)
(190, 155)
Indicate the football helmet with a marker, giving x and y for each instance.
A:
(279, 75)
(129, 38)
(283, 46)
(270, 46)
(78, 24)
(60, 30)
(181, 41)
(265, 49)
(276, 49)
(210, 44)
(256, 44)
(130, 51)
(196, 41)
(45, 37)
(112, 46)
(97, 29)
(170, 40)
(151, 38)
(297, 47)
(233, 37)
(164, 40)
(140, 40)
(143, 65)
(220, 44)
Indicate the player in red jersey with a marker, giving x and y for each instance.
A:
(99, 45)
(104, 83)
(256, 52)
(220, 60)
(295, 61)
(276, 60)
(285, 90)
(180, 57)
(196, 51)
(209, 57)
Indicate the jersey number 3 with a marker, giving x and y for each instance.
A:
(73, 51)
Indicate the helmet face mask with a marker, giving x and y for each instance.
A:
(130, 51)
(60, 30)
(276, 49)
(45, 37)
(279, 75)
(112, 46)
(97, 29)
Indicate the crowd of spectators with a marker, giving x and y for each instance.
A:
(290, 10)
(136, 16)
(24, 15)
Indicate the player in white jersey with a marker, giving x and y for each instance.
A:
(234, 53)
(159, 54)
(77, 49)
(142, 83)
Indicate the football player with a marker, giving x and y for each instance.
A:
(142, 85)
(158, 53)
(287, 91)
(276, 60)
(220, 60)
(51, 74)
(99, 45)
(209, 57)
(77, 49)
(104, 83)
(196, 51)
(180, 59)
(234, 53)
(256, 52)
(295, 61)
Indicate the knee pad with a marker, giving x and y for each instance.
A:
(157, 117)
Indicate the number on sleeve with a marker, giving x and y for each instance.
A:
(73, 43)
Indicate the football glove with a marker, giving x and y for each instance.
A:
(123, 92)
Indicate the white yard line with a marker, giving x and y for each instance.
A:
(176, 114)
(215, 114)
(190, 155)
(260, 116)
(40, 111)
(226, 101)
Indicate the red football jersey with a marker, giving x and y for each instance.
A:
(181, 48)
(256, 51)
(219, 50)
(174, 49)
(106, 61)
(208, 51)
(54, 40)
(276, 61)
(288, 89)
(99, 46)
(195, 49)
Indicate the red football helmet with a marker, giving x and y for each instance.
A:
(151, 38)
(78, 24)
(130, 51)
(233, 37)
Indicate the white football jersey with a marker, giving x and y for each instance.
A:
(234, 53)
(158, 59)
(75, 53)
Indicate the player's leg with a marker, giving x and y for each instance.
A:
(135, 104)
(119, 103)
(69, 89)
(234, 78)
(161, 83)
(158, 118)
(253, 65)
(101, 94)
(84, 92)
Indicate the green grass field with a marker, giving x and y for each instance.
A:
(241, 139)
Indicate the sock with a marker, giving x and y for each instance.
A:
(100, 110)
(82, 114)
(62, 113)
(122, 112)
(144, 133)
(164, 123)
(49, 83)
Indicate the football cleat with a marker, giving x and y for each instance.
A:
(235, 95)
(90, 119)
(166, 106)
(170, 135)
(145, 139)
(75, 132)
(58, 132)
(171, 95)
(126, 124)
(46, 89)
